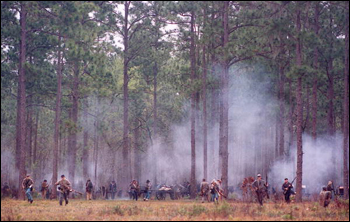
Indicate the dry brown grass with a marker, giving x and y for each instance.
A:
(168, 210)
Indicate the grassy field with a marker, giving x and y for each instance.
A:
(81, 210)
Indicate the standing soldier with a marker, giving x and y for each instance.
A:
(330, 188)
(325, 197)
(147, 190)
(44, 188)
(204, 190)
(27, 185)
(64, 189)
(113, 189)
(259, 185)
(214, 191)
(221, 191)
(89, 188)
(287, 190)
(134, 189)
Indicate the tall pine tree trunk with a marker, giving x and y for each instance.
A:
(224, 103)
(193, 113)
(126, 170)
(315, 78)
(282, 111)
(299, 181)
(72, 154)
(205, 126)
(85, 156)
(155, 117)
(57, 120)
(21, 102)
(346, 112)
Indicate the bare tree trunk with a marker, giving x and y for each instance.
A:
(126, 174)
(155, 110)
(331, 129)
(137, 159)
(73, 148)
(29, 132)
(21, 102)
(330, 116)
(224, 93)
(315, 78)
(35, 145)
(346, 113)
(96, 141)
(57, 120)
(193, 113)
(205, 126)
(299, 181)
(85, 156)
(282, 111)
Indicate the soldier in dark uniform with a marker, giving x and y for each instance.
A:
(134, 190)
(6, 190)
(287, 190)
(27, 185)
(113, 189)
(88, 188)
(260, 187)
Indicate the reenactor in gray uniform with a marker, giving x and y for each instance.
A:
(260, 187)
(325, 197)
(64, 188)
(204, 190)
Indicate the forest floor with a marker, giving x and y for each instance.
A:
(82, 210)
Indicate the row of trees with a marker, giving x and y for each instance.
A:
(72, 65)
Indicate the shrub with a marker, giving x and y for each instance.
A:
(222, 210)
(118, 210)
(196, 210)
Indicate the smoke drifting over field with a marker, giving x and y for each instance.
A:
(252, 143)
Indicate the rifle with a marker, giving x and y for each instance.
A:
(285, 191)
(221, 194)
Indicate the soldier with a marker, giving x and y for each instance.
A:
(325, 197)
(6, 190)
(89, 186)
(113, 189)
(221, 191)
(204, 188)
(14, 192)
(259, 185)
(330, 187)
(287, 190)
(214, 191)
(134, 189)
(147, 190)
(27, 185)
(64, 189)
(44, 188)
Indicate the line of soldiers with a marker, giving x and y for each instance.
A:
(214, 189)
